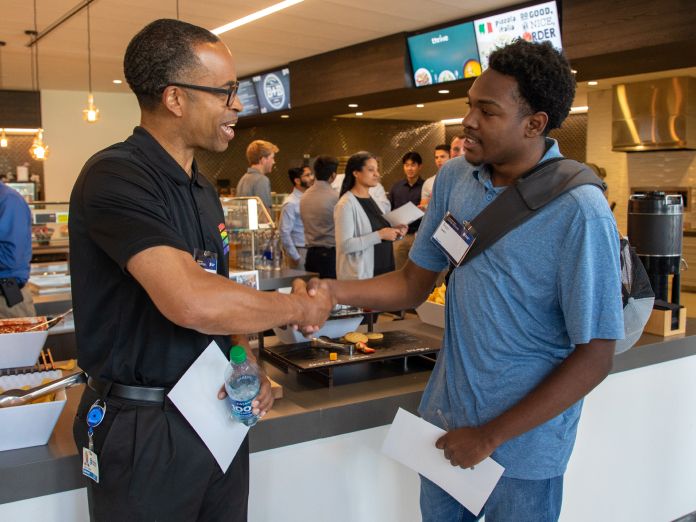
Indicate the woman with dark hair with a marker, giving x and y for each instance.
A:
(363, 236)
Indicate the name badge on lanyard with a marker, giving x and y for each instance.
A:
(454, 238)
(206, 259)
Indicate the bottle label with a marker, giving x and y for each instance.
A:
(241, 409)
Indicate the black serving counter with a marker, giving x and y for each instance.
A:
(363, 397)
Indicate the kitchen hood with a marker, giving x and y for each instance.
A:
(654, 115)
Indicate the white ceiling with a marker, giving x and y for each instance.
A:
(306, 29)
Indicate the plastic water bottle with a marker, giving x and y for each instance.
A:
(242, 385)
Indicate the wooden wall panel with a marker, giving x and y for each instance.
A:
(20, 109)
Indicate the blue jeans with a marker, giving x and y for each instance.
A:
(512, 500)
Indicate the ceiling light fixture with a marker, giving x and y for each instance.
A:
(284, 116)
(3, 139)
(593, 83)
(358, 113)
(39, 150)
(451, 121)
(118, 82)
(91, 113)
(579, 109)
(420, 105)
(443, 91)
(254, 16)
(353, 105)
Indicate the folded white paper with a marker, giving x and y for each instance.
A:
(195, 395)
(404, 215)
(411, 441)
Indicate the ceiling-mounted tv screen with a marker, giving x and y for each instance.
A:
(444, 55)
(535, 23)
(247, 95)
(273, 90)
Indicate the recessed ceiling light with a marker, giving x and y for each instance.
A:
(358, 113)
(352, 105)
(592, 83)
(420, 105)
(284, 116)
(254, 16)
(451, 121)
(443, 91)
(580, 108)
(574, 71)
(118, 82)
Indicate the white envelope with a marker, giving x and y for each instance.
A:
(411, 441)
(404, 215)
(195, 396)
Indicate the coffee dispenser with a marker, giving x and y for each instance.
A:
(655, 230)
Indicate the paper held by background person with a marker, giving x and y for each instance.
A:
(411, 441)
(195, 395)
(404, 215)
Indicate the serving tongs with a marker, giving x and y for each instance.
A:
(50, 322)
(18, 397)
(328, 343)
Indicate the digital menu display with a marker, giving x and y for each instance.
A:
(273, 90)
(537, 23)
(444, 55)
(247, 95)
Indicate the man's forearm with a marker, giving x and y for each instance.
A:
(396, 290)
(574, 378)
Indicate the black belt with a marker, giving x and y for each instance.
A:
(123, 391)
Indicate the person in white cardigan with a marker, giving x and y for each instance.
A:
(363, 235)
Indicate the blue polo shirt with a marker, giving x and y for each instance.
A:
(15, 235)
(516, 311)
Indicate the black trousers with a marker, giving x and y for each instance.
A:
(154, 467)
(322, 260)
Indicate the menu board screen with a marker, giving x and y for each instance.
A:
(247, 95)
(273, 90)
(537, 23)
(444, 55)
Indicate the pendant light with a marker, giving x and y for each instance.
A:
(91, 113)
(38, 149)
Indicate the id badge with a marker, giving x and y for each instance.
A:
(206, 259)
(90, 464)
(454, 239)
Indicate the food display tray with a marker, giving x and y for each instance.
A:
(303, 357)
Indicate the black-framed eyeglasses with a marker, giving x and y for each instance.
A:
(230, 92)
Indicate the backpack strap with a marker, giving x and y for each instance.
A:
(529, 193)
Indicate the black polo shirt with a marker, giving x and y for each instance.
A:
(130, 197)
(401, 193)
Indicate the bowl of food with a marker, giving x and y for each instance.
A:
(21, 340)
(432, 311)
(42, 234)
(446, 76)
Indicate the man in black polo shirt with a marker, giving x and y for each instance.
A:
(403, 191)
(144, 309)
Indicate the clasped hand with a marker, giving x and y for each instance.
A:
(320, 301)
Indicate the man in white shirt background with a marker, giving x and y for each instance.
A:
(291, 227)
(442, 154)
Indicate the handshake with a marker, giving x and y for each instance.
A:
(317, 298)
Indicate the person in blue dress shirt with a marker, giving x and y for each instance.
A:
(15, 255)
(291, 228)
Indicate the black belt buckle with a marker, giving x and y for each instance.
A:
(12, 291)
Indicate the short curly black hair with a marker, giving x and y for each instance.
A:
(544, 77)
(159, 54)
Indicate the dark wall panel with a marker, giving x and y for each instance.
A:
(388, 139)
(20, 109)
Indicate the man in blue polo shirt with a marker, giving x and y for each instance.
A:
(531, 323)
(15, 254)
